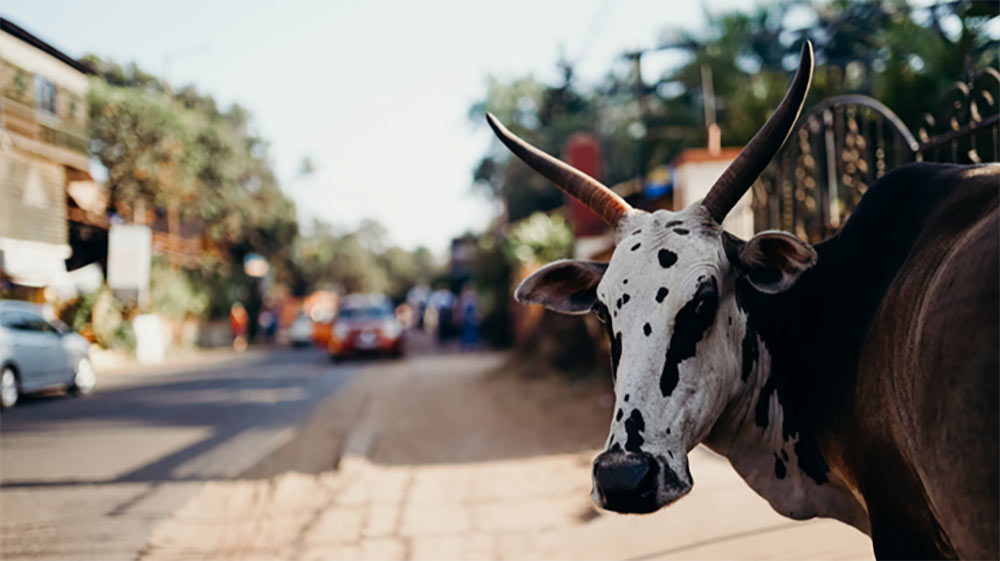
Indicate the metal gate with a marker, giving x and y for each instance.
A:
(844, 144)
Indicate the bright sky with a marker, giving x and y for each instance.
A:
(376, 93)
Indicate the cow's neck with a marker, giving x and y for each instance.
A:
(768, 430)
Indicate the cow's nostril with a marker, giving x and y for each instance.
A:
(626, 482)
(636, 482)
(626, 474)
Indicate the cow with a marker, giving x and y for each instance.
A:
(854, 379)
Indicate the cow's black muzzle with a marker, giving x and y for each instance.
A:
(637, 482)
(627, 481)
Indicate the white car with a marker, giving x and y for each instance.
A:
(301, 331)
(36, 355)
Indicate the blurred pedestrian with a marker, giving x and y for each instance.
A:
(443, 300)
(417, 299)
(268, 322)
(404, 315)
(468, 312)
(238, 323)
(430, 319)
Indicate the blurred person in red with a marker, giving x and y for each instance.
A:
(404, 315)
(238, 326)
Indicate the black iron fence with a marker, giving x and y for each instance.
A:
(843, 145)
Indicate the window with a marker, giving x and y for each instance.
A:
(22, 321)
(368, 312)
(45, 94)
(38, 325)
(10, 320)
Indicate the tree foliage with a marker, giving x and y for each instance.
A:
(361, 261)
(541, 238)
(887, 50)
(176, 152)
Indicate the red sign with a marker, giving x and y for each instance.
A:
(582, 152)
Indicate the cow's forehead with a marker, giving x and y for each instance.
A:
(658, 250)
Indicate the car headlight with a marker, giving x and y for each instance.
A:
(340, 331)
(390, 329)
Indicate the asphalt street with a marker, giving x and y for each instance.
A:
(89, 478)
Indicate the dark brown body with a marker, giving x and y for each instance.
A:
(917, 433)
(886, 360)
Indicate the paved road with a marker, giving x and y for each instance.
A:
(89, 478)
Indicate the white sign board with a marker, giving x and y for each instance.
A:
(130, 250)
(150, 339)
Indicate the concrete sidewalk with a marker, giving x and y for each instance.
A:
(444, 462)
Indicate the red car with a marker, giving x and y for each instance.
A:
(366, 325)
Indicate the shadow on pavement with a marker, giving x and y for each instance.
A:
(273, 391)
(436, 406)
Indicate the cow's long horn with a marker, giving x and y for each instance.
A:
(605, 202)
(755, 156)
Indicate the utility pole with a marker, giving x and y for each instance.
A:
(711, 127)
(641, 131)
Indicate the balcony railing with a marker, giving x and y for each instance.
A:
(843, 145)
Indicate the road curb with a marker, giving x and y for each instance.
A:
(324, 439)
(360, 434)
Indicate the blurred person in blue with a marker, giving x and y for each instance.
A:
(468, 317)
(268, 322)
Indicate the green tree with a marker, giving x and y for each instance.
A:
(887, 50)
(540, 239)
(360, 261)
(178, 155)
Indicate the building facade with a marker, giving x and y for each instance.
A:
(43, 155)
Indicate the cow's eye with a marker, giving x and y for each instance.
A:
(708, 299)
(601, 312)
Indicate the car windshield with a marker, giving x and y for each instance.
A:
(367, 312)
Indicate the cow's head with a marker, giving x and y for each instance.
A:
(667, 301)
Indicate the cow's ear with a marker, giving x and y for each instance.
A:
(565, 286)
(771, 261)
